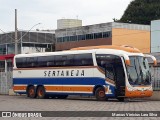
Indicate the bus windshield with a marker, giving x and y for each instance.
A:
(138, 71)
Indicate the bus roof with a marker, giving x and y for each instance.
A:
(102, 50)
(124, 48)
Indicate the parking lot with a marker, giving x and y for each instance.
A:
(22, 103)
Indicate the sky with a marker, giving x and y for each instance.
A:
(46, 12)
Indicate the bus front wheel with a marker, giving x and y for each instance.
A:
(31, 92)
(100, 94)
(40, 92)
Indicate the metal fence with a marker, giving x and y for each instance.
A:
(156, 78)
(5, 82)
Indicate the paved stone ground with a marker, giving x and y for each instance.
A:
(22, 103)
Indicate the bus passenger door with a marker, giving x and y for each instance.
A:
(120, 77)
(114, 73)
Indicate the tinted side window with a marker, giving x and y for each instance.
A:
(50, 61)
(59, 60)
(31, 62)
(69, 61)
(83, 60)
(104, 59)
(55, 61)
(21, 62)
(44, 61)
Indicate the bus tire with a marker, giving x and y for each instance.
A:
(31, 92)
(100, 94)
(41, 92)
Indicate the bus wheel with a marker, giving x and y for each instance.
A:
(100, 94)
(40, 92)
(121, 99)
(31, 92)
(62, 96)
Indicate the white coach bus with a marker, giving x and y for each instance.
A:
(101, 71)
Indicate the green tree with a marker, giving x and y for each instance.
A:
(141, 12)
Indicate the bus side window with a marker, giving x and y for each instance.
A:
(83, 60)
(69, 60)
(101, 63)
(32, 62)
(20, 62)
(50, 61)
(58, 61)
(42, 61)
(109, 71)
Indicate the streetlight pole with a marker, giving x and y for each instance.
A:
(16, 44)
(16, 31)
(28, 31)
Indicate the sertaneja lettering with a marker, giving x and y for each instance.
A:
(62, 73)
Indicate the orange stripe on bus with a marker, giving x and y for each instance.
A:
(19, 87)
(137, 93)
(68, 88)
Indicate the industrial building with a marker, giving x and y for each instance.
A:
(111, 33)
(28, 42)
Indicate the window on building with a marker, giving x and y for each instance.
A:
(106, 34)
(60, 39)
(89, 36)
(97, 35)
(73, 38)
(66, 39)
(81, 37)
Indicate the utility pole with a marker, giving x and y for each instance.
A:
(16, 44)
